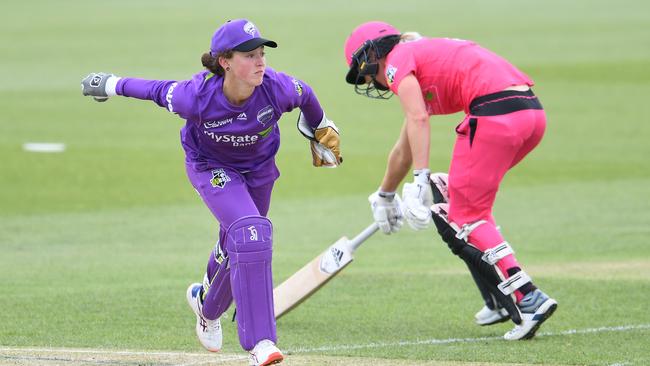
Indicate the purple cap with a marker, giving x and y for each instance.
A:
(238, 35)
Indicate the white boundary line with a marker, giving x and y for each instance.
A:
(190, 358)
(110, 352)
(620, 328)
(232, 357)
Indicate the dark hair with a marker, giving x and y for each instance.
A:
(212, 62)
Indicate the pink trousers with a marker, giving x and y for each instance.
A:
(486, 147)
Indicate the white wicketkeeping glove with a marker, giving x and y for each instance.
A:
(387, 211)
(99, 85)
(418, 200)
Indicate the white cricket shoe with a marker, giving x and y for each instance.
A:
(535, 308)
(265, 353)
(487, 316)
(208, 331)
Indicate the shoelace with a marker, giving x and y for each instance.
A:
(212, 325)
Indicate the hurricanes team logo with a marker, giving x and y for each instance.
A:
(219, 178)
(249, 28)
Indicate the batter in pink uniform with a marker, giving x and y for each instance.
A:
(504, 121)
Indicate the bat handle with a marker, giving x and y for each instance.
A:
(365, 234)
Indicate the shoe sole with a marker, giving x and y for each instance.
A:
(274, 359)
(531, 333)
(500, 320)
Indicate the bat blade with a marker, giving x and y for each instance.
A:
(311, 277)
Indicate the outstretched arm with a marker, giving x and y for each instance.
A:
(177, 97)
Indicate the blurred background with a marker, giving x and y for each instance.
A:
(98, 243)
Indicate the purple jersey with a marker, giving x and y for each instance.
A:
(219, 134)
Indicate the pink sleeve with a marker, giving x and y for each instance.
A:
(398, 66)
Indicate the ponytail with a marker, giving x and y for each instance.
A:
(212, 62)
(410, 37)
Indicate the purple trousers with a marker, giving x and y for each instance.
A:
(229, 195)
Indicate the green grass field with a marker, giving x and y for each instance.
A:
(98, 244)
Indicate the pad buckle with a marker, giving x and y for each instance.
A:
(467, 229)
(492, 256)
(515, 281)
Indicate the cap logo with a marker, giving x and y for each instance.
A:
(249, 28)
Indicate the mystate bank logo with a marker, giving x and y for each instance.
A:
(239, 140)
(234, 140)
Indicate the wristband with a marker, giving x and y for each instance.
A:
(111, 85)
(386, 195)
(421, 176)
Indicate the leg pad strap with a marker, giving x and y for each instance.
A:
(492, 256)
(473, 257)
(514, 282)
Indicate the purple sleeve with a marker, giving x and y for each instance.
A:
(293, 93)
(311, 107)
(176, 97)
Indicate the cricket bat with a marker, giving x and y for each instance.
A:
(318, 272)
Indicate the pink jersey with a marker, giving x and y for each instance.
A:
(451, 72)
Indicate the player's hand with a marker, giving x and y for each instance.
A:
(387, 211)
(94, 85)
(418, 199)
(322, 156)
(324, 142)
(328, 136)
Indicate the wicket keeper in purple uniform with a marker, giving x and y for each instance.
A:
(230, 140)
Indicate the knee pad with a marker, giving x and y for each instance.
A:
(249, 245)
(482, 264)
